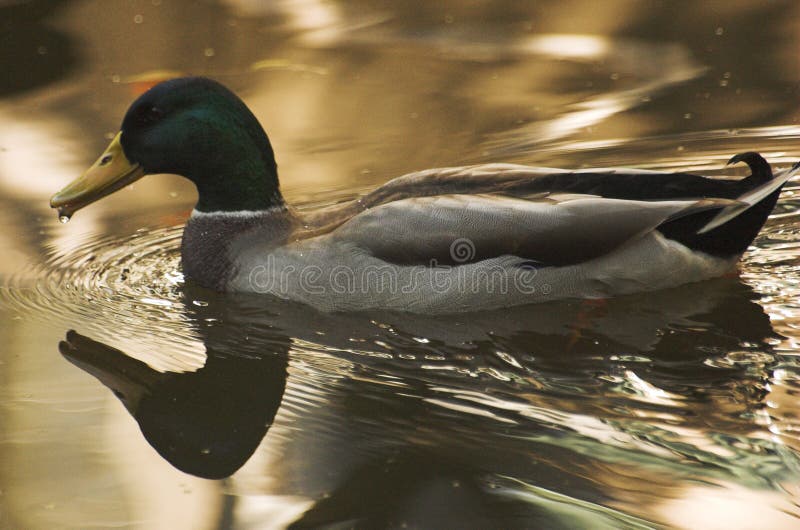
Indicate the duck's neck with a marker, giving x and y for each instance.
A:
(213, 241)
(245, 180)
(255, 198)
(239, 205)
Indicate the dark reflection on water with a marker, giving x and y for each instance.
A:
(207, 422)
(676, 408)
(396, 442)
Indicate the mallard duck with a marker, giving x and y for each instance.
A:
(440, 240)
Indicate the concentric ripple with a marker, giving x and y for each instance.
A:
(125, 291)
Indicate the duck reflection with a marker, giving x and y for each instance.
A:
(209, 422)
(435, 417)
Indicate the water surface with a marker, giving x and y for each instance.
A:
(131, 399)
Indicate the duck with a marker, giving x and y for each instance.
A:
(446, 240)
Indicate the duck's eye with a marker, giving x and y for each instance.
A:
(150, 115)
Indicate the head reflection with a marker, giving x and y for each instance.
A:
(209, 422)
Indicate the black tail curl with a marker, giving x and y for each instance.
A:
(759, 168)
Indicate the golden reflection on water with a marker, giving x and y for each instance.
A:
(674, 409)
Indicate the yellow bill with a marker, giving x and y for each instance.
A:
(111, 172)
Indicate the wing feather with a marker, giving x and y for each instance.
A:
(557, 230)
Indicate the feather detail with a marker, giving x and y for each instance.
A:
(553, 231)
(750, 199)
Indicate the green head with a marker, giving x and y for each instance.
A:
(193, 127)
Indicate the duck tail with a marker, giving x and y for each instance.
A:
(760, 170)
(765, 185)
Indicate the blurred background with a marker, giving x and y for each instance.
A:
(676, 410)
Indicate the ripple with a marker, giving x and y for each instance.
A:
(707, 150)
(125, 291)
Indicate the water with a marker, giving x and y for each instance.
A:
(122, 386)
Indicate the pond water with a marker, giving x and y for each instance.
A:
(130, 399)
